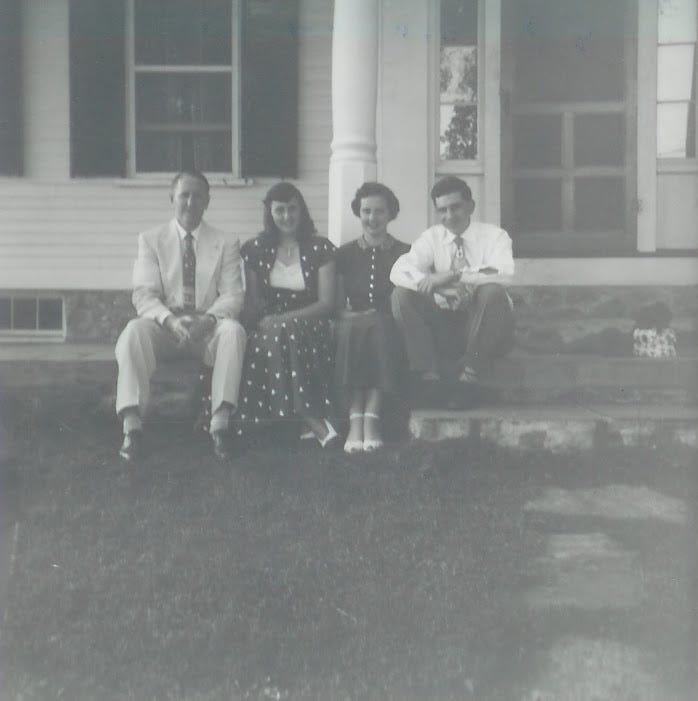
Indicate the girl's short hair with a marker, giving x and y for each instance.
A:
(371, 189)
(285, 192)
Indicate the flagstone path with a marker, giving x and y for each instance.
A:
(591, 589)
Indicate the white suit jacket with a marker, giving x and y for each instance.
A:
(157, 273)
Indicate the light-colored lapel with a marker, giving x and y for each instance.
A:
(170, 256)
(208, 251)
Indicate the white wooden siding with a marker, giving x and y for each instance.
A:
(57, 233)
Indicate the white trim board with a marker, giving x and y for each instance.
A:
(648, 271)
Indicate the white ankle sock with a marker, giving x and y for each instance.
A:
(132, 422)
(221, 419)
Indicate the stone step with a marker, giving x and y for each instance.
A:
(520, 377)
(561, 428)
(529, 377)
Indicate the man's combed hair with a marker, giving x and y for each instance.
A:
(190, 173)
(449, 185)
(371, 189)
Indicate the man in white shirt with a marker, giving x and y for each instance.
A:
(188, 292)
(450, 301)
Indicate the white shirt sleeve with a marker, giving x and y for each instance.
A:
(411, 267)
(500, 257)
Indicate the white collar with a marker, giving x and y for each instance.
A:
(450, 236)
(183, 234)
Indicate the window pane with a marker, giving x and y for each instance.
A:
(5, 313)
(458, 80)
(176, 32)
(50, 314)
(675, 65)
(459, 22)
(599, 204)
(183, 99)
(172, 151)
(458, 73)
(537, 205)
(674, 124)
(25, 314)
(458, 133)
(599, 139)
(577, 46)
(677, 21)
(537, 141)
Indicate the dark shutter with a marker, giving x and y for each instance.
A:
(97, 88)
(269, 132)
(10, 88)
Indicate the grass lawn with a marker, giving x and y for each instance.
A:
(301, 575)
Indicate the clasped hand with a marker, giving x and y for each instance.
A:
(189, 328)
(458, 296)
(431, 282)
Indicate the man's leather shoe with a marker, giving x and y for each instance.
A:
(221, 445)
(132, 447)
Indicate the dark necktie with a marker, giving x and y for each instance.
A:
(189, 275)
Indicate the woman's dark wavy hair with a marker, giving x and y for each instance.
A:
(285, 192)
(370, 189)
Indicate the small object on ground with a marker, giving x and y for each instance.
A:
(652, 335)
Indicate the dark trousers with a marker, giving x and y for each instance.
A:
(443, 341)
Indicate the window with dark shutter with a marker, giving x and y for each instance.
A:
(10, 90)
(270, 88)
(97, 88)
(159, 85)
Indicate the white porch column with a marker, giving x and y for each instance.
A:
(46, 89)
(354, 94)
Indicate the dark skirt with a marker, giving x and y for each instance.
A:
(287, 372)
(369, 354)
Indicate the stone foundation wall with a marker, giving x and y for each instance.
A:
(97, 317)
(558, 319)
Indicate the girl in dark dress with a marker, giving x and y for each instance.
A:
(368, 350)
(290, 295)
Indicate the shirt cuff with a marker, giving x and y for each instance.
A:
(160, 318)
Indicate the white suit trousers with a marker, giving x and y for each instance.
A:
(144, 342)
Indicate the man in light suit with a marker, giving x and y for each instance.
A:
(188, 292)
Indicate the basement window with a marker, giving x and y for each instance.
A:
(31, 317)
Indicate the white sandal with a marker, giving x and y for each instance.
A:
(354, 446)
(372, 443)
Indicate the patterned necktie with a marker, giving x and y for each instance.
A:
(189, 275)
(459, 260)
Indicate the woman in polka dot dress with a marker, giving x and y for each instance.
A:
(290, 278)
(368, 350)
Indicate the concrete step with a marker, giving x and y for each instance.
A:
(561, 428)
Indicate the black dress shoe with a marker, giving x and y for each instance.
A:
(221, 445)
(132, 447)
